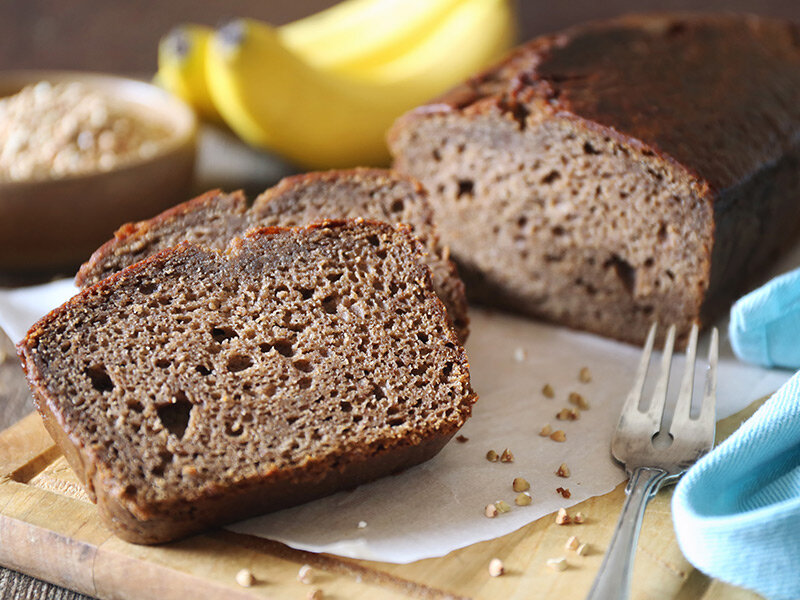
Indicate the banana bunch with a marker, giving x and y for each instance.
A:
(323, 91)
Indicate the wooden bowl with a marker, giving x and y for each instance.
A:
(57, 223)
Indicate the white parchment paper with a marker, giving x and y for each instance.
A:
(437, 507)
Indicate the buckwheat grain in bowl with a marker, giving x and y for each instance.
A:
(81, 154)
(52, 130)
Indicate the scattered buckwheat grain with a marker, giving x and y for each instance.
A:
(507, 456)
(557, 564)
(567, 414)
(520, 484)
(305, 574)
(563, 470)
(245, 578)
(490, 511)
(572, 543)
(523, 499)
(492, 456)
(585, 375)
(578, 400)
(546, 430)
(496, 567)
(547, 391)
(558, 436)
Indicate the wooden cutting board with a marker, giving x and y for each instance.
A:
(50, 530)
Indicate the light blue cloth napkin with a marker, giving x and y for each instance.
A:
(737, 511)
(765, 324)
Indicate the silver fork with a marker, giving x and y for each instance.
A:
(648, 466)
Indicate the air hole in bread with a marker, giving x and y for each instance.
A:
(239, 362)
(589, 149)
(624, 271)
(234, 429)
(100, 379)
(220, 334)
(345, 406)
(304, 383)
(465, 187)
(175, 415)
(148, 288)
(374, 240)
(397, 206)
(135, 405)
(551, 177)
(329, 304)
(265, 347)
(284, 347)
(203, 370)
(162, 363)
(306, 293)
(303, 365)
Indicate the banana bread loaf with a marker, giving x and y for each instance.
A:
(199, 387)
(213, 219)
(620, 172)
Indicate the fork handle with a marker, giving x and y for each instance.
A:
(613, 581)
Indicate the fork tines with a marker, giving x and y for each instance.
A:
(682, 419)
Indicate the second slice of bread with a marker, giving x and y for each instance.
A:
(213, 219)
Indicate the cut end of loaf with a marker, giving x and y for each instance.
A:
(559, 221)
(300, 361)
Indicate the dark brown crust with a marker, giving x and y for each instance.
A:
(385, 175)
(182, 516)
(453, 288)
(131, 231)
(639, 81)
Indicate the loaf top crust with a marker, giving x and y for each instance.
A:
(715, 95)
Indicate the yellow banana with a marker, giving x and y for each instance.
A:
(273, 98)
(358, 34)
(472, 36)
(181, 67)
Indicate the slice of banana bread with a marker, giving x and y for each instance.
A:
(213, 219)
(199, 387)
(619, 172)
